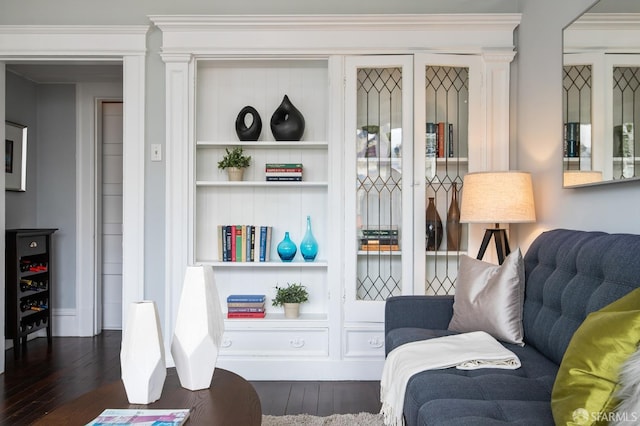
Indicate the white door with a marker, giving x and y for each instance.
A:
(111, 215)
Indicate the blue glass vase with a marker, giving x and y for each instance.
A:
(287, 249)
(309, 245)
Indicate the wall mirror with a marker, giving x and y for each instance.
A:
(601, 95)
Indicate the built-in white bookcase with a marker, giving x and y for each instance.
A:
(216, 65)
(223, 88)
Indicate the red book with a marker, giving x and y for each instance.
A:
(246, 314)
(440, 139)
(233, 243)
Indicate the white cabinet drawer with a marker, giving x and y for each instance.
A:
(308, 342)
(364, 343)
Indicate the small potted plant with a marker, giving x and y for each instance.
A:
(290, 297)
(234, 162)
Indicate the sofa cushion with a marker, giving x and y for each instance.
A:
(588, 376)
(489, 298)
(400, 336)
(456, 412)
(570, 274)
(533, 381)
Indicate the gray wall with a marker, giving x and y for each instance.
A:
(56, 188)
(21, 108)
(48, 111)
(536, 95)
(538, 131)
(135, 12)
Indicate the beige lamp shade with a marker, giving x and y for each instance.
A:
(581, 177)
(497, 197)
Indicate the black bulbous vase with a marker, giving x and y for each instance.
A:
(251, 133)
(287, 123)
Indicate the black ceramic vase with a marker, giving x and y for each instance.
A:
(287, 123)
(434, 226)
(251, 133)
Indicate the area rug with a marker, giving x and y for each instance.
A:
(360, 419)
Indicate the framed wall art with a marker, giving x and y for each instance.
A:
(15, 157)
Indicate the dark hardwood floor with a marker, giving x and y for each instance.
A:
(42, 379)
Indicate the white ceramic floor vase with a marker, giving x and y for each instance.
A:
(142, 355)
(199, 328)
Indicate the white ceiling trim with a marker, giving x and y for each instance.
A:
(18, 41)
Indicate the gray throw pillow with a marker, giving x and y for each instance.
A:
(489, 298)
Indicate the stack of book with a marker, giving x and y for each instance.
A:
(246, 306)
(244, 243)
(380, 238)
(283, 172)
(439, 140)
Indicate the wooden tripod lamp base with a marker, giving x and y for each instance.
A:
(502, 244)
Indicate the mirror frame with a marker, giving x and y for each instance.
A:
(585, 35)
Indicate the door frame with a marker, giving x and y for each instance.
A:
(69, 43)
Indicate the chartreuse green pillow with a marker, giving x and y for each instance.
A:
(585, 387)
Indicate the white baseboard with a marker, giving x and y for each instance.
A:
(64, 322)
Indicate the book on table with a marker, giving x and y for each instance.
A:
(141, 417)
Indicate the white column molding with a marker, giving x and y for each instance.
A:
(496, 83)
(133, 181)
(177, 199)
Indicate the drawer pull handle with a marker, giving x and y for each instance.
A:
(33, 244)
(376, 342)
(226, 343)
(296, 343)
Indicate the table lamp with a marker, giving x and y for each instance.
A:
(497, 197)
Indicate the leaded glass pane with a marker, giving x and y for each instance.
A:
(379, 182)
(446, 163)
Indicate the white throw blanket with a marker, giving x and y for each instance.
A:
(466, 351)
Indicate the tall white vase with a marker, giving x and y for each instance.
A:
(142, 355)
(199, 328)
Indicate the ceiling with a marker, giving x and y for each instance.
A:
(70, 72)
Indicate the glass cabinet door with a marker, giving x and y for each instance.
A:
(601, 107)
(378, 136)
(446, 94)
(625, 113)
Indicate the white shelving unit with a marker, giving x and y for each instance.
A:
(216, 65)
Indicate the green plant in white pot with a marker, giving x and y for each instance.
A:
(234, 162)
(290, 298)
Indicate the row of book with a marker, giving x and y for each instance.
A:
(380, 238)
(439, 140)
(283, 172)
(244, 243)
(246, 306)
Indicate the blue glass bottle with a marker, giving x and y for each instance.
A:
(287, 249)
(309, 245)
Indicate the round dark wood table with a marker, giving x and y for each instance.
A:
(230, 400)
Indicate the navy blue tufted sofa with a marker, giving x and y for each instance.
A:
(568, 274)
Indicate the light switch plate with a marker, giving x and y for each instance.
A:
(156, 152)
